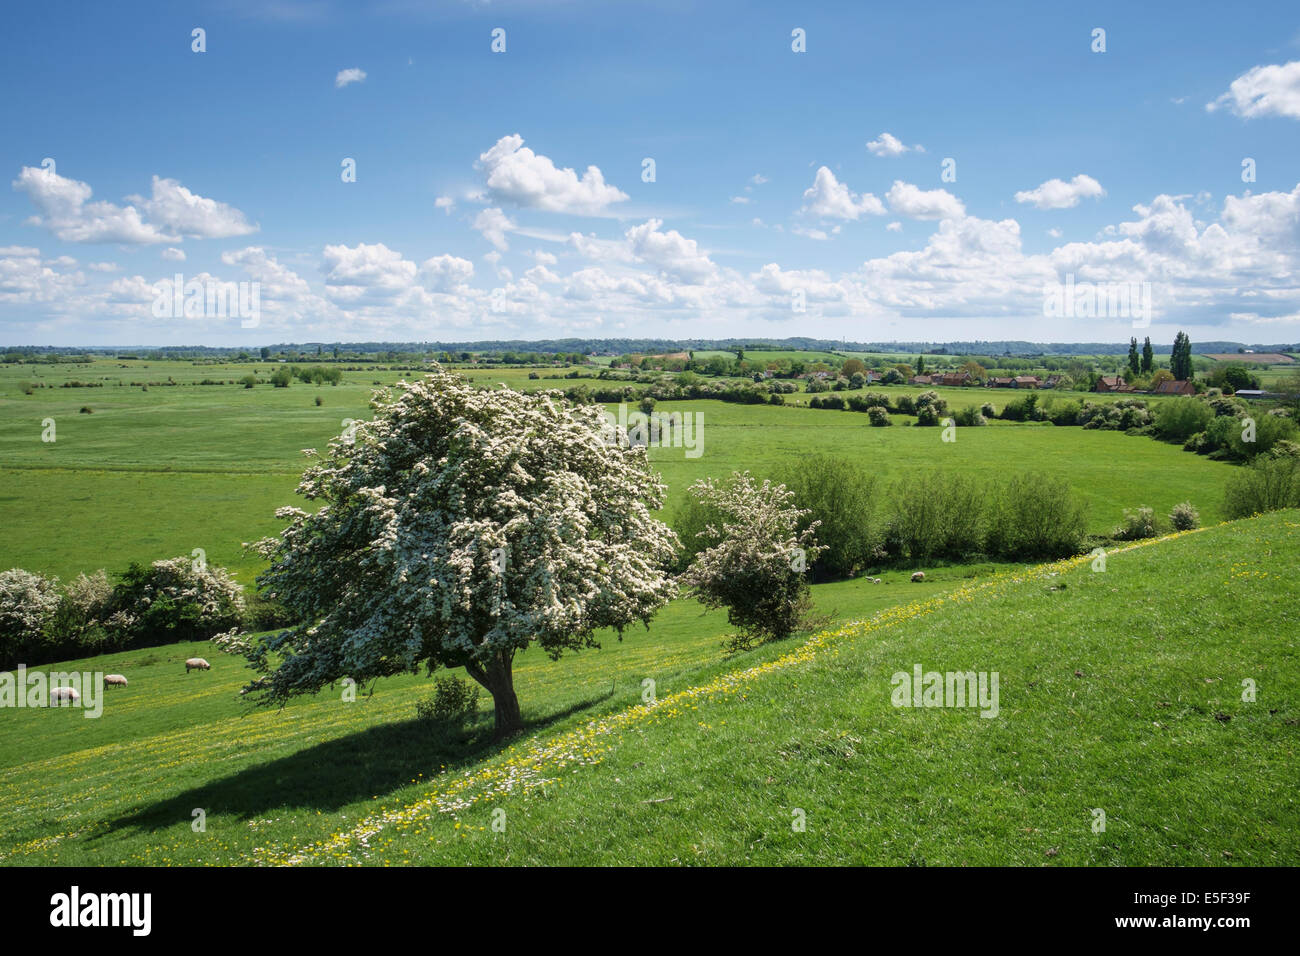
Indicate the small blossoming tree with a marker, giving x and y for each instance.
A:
(458, 527)
(756, 557)
(28, 603)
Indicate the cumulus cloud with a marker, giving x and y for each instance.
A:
(173, 254)
(888, 145)
(171, 213)
(445, 203)
(1263, 91)
(669, 251)
(445, 273)
(179, 211)
(916, 203)
(517, 175)
(828, 198)
(65, 209)
(494, 224)
(1058, 194)
(351, 75)
(365, 272)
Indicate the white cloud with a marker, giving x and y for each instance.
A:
(366, 272)
(515, 174)
(669, 251)
(1263, 91)
(741, 200)
(180, 211)
(494, 224)
(173, 254)
(758, 179)
(821, 235)
(1058, 194)
(66, 210)
(916, 203)
(828, 198)
(351, 75)
(445, 273)
(445, 203)
(895, 226)
(172, 212)
(889, 145)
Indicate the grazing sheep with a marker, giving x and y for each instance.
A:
(58, 694)
(197, 664)
(114, 680)
(918, 576)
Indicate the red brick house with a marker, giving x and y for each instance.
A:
(1027, 381)
(1110, 383)
(1175, 387)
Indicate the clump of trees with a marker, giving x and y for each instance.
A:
(177, 599)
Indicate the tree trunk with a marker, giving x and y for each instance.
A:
(498, 678)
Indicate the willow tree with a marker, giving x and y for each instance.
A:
(457, 527)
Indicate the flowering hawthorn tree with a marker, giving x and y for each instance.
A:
(756, 556)
(457, 527)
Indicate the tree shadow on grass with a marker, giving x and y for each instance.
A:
(332, 774)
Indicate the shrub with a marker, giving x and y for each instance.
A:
(753, 564)
(968, 416)
(1035, 516)
(878, 417)
(319, 401)
(281, 378)
(1023, 409)
(177, 599)
(1137, 524)
(248, 381)
(1184, 517)
(838, 495)
(905, 405)
(86, 410)
(264, 613)
(1267, 484)
(453, 702)
(936, 514)
(1180, 418)
(988, 411)
(1065, 412)
(927, 415)
(28, 603)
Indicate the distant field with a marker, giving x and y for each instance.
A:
(1267, 358)
(159, 473)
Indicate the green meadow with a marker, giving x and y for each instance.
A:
(161, 471)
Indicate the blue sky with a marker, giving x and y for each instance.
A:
(780, 176)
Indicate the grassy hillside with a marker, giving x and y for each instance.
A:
(1119, 691)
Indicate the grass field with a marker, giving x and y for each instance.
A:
(1119, 691)
(159, 473)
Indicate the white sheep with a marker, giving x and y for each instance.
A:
(114, 680)
(58, 694)
(197, 664)
(918, 576)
